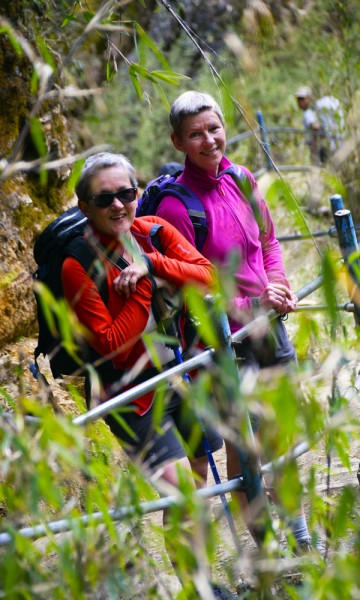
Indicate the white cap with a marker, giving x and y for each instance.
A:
(303, 92)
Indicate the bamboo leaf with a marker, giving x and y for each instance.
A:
(12, 38)
(69, 19)
(142, 72)
(200, 312)
(170, 77)
(75, 174)
(45, 51)
(151, 45)
(135, 81)
(37, 136)
(329, 286)
(110, 73)
(87, 15)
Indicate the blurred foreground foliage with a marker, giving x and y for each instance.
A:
(73, 479)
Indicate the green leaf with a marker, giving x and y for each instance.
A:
(135, 81)
(152, 350)
(43, 177)
(13, 39)
(200, 312)
(47, 299)
(37, 136)
(110, 73)
(170, 76)
(151, 45)
(354, 266)
(88, 16)
(329, 287)
(159, 407)
(278, 191)
(34, 82)
(163, 96)
(45, 51)
(8, 398)
(142, 72)
(75, 175)
(69, 19)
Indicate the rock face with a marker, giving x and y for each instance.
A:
(27, 201)
(17, 304)
(23, 214)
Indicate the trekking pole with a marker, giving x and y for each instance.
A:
(169, 329)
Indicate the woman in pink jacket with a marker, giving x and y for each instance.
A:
(238, 224)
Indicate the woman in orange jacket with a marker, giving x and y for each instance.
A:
(107, 191)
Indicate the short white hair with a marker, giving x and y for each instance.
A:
(97, 162)
(192, 103)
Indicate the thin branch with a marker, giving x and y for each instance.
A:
(11, 169)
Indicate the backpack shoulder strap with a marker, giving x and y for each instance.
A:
(82, 251)
(155, 237)
(193, 205)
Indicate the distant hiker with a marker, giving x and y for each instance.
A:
(134, 269)
(324, 120)
(239, 224)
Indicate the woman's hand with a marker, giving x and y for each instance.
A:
(125, 283)
(279, 297)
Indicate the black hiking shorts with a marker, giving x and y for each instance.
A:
(156, 439)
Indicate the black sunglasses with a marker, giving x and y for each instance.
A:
(105, 199)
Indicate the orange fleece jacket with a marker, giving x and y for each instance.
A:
(115, 329)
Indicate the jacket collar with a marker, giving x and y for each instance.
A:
(140, 228)
(200, 178)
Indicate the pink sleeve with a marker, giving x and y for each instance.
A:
(272, 256)
(173, 211)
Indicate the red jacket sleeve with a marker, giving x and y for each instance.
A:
(179, 262)
(113, 328)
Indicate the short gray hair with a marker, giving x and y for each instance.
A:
(192, 103)
(98, 162)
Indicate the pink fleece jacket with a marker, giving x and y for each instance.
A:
(233, 229)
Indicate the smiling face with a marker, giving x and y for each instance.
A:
(117, 218)
(203, 139)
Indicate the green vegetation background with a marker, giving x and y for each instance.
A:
(58, 471)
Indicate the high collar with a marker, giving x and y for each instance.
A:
(108, 241)
(140, 227)
(198, 177)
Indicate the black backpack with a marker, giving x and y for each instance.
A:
(62, 238)
(167, 185)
